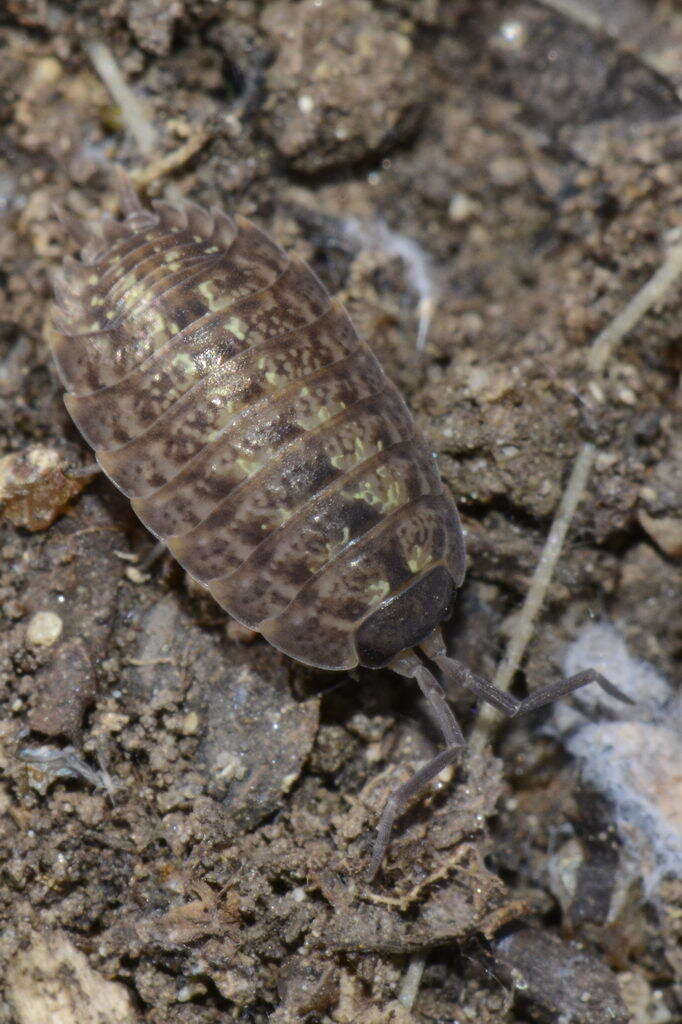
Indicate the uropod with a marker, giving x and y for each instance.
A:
(229, 396)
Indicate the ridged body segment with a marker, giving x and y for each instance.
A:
(232, 400)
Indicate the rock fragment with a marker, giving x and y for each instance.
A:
(561, 978)
(51, 980)
(345, 84)
(36, 486)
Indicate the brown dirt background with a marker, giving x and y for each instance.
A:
(185, 816)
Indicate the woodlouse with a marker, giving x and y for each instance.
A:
(230, 397)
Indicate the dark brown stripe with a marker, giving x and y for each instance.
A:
(312, 541)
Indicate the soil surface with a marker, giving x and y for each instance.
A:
(185, 814)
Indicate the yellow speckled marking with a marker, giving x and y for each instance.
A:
(206, 289)
(249, 466)
(237, 327)
(132, 295)
(369, 492)
(378, 590)
(154, 323)
(330, 550)
(418, 558)
(308, 419)
(185, 363)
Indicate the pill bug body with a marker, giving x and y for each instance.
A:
(231, 399)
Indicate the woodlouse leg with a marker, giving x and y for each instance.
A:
(433, 691)
(396, 804)
(459, 674)
(129, 200)
(91, 468)
(153, 555)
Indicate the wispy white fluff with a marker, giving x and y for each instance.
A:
(418, 265)
(635, 757)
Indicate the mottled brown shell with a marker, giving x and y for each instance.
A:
(256, 435)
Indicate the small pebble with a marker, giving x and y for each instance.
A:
(36, 486)
(190, 724)
(512, 34)
(112, 721)
(135, 575)
(665, 531)
(507, 171)
(44, 629)
(462, 208)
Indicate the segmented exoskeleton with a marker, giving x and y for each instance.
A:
(231, 399)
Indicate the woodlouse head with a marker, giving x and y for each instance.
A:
(406, 620)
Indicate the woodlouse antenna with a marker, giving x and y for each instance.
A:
(409, 665)
(459, 675)
(456, 673)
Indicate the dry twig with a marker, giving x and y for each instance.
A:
(602, 350)
(132, 111)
